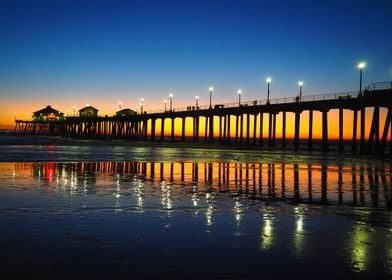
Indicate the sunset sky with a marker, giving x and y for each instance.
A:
(73, 53)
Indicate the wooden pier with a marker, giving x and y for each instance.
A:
(143, 126)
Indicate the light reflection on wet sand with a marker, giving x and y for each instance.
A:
(295, 215)
(299, 183)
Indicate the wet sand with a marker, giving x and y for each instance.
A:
(119, 211)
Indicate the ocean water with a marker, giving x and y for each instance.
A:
(106, 212)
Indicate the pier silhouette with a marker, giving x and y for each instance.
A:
(217, 122)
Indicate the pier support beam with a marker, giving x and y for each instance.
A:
(274, 130)
(254, 129)
(152, 130)
(362, 141)
(197, 121)
(324, 140)
(341, 147)
(211, 138)
(183, 129)
(172, 129)
(224, 129)
(220, 129)
(355, 124)
(270, 129)
(241, 129)
(162, 129)
(374, 131)
(247, 129)
(206, 130)
(387, 125)
(228, 130)
(193, 129)
(284, 129)
(236, 128)
(261, 130)
(296, 130)
(310, 137)
(145, 128)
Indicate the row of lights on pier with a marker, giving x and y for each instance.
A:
(211, 89)
(268, 80)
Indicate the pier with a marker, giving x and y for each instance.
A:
(247, 119)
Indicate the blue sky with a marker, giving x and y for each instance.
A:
(124, 50)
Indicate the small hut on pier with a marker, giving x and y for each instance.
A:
(47, 114)
(125, 113)
(88, 111)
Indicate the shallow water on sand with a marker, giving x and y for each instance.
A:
(75, 212)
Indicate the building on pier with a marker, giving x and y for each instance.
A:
(88, 111)
(125, 113)
(47, 114)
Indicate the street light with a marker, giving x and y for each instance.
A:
(239, 97)
(74, 110)
(141, 105)
(197, 101)
(268, 80)
(300, 83)
(119, 105)
(211, 90)
(361, 65)
(165, 101)
(171, 101)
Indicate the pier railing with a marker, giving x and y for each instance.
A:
(379, 86)
(282, 100)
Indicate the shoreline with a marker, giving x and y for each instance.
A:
(9, 139)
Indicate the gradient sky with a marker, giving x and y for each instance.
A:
(70, 53)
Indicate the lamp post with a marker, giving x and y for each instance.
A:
(197, 101)
(171, 101)
(119, 105)
(300, 84)
(165, 101)
(74, 110)
(141, 105)
(211, 90)
(239, 97)
(361, 65)
(268, 80)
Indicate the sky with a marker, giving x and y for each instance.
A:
(73, 53)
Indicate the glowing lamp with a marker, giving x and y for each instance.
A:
(361, 65)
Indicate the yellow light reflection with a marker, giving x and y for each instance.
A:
(195, 199)
(299, 230)
(360, 248)
(238, 212)
(138, 192)
(117, 194)
(209, 211)
(166, 200)
(267, 234)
